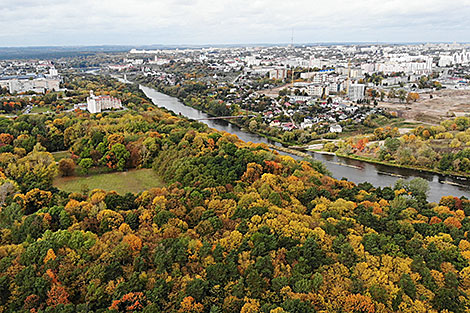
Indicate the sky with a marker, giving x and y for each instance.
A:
(146, 22)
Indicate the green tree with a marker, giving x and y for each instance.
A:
(85, 164)
(36, 170)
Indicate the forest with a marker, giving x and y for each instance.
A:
(238, 227)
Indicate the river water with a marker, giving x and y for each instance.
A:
(355, 171)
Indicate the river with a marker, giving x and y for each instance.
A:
(355, 171)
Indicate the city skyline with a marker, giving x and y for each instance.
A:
(125, 22)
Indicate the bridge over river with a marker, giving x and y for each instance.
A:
(223, 117)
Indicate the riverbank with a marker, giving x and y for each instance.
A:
(298, 151)
(289, 150)
(377, 175)
(230, 121)
(459, 176)
(317, 149)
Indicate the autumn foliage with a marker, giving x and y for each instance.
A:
(236, 228)
(130, 302)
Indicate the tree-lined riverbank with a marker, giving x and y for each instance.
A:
(354, 170)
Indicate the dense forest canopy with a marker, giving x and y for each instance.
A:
(238, 227)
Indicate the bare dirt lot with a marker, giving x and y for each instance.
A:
(443, 105)
(274, 92)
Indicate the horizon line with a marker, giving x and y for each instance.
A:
(240, 44)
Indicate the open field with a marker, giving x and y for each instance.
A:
(60, 155)
(433, 111)
(122, 182)
(37, 109)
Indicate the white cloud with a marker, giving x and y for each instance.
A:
(45, 22)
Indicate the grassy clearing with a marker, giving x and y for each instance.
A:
(37, 109)
(59, 155)
(122, 182)
(406, 124)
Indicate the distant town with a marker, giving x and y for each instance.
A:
(290, 87)
(320, 84)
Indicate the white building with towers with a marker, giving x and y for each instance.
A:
(96, 104)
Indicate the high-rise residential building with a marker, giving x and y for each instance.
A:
(356, 92)
(96, 104)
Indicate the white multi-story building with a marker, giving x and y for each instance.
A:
(159, 61)
(318, 63)
(30, 83)
(462, 57)
(96, 104)
(335, 87)
(307, 75)
(445, 60)
(318, 90)
(397, 63)
(252, 61)
(320, 78)
(356, 92)
(355, 72)
(53, 72)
